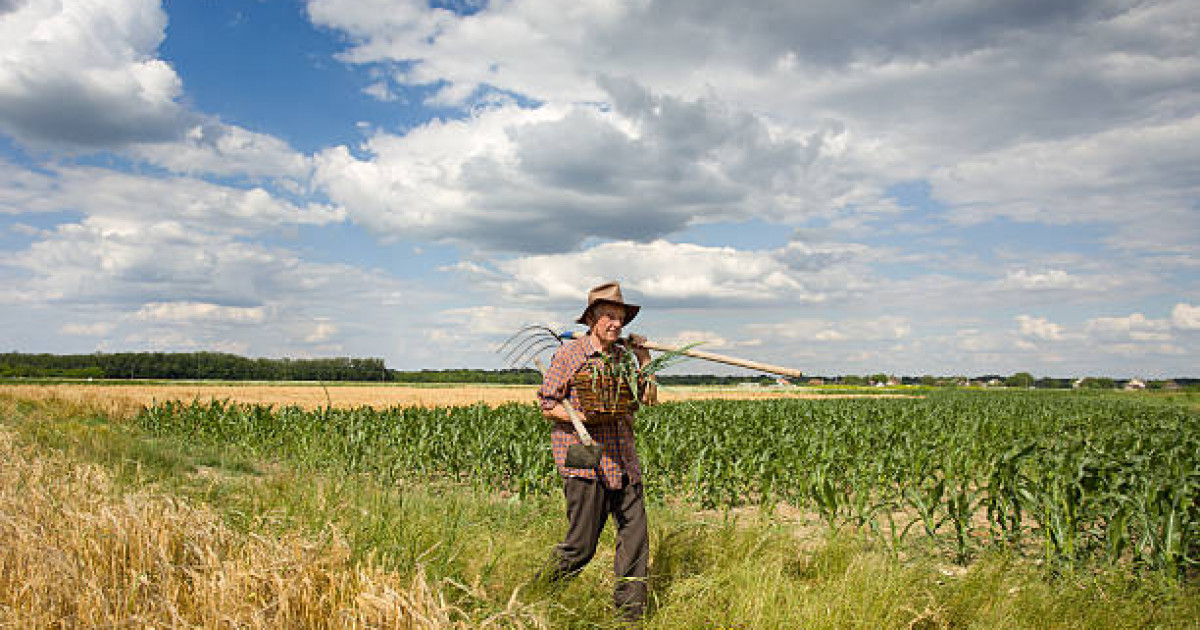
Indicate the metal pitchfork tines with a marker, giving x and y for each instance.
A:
(526, 347)
(528, 344)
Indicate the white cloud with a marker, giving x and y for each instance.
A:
(167, 287)
(23, 190)
(695, 98)
(199, 311)
(883, 328)
(593, 135)
(95, 329)
(1141, 350)
(24, 230)
(1053, 279)
(1139, 178)
(551, 53)
(1040, 328)
(545, 179)
(219, 149)
(78, 72)
(122, 202)
(974, 340)
(182, 340)
(321, 331)
(681, 274)
(1135, 327)
(523, 46)
(381, 91)
(1185, 317)
(496, 321)
(704, 340)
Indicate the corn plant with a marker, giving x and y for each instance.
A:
(1081, 476)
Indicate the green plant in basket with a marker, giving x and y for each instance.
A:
(611, 371)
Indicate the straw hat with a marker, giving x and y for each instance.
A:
(609, 292)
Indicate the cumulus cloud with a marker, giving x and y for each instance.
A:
(181, 340)
(1049, 280)
(1062, 113)
(214, 148)
(321, 331)
(199, 311)
(94, 329)
(1140, 178)
(887, 327)
(1185, 317)
(122, 201)
(1040, 328)
(591, 136)
(545, 179)
(1135, 327)
(944, 75)
(162, 248)
(537, 48)
(496, 321)
(975, 340)
(166, 285)
(81, 73)
(681, 274)
(703, 339)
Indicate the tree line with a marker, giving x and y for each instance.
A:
(231, 367)
(190, 365)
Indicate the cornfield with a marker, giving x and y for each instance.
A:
(1068, 476)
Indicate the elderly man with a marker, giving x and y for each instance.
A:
(614, 486)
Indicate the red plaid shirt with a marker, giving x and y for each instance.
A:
(619, 456)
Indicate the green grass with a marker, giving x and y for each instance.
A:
(709, 570)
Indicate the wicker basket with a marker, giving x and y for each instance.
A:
(600, 393)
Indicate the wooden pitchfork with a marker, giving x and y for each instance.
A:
(530, 342)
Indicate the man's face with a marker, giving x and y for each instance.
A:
(609, 319)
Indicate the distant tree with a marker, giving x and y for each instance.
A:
(1098, 382)
(1020, 379)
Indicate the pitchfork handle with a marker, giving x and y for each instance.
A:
(576, 420)
(719, 358)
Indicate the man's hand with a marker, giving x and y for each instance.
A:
(636, 344)
(557, 413)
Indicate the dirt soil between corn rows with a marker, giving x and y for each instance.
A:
(378, 396)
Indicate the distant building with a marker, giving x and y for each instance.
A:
(816, 381)
(1135, 384)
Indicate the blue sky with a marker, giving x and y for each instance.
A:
(946, 188)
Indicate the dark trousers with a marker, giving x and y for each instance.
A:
(588, 505)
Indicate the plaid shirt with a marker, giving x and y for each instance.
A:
(619, 456)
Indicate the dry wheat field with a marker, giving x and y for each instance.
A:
(311, 396)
